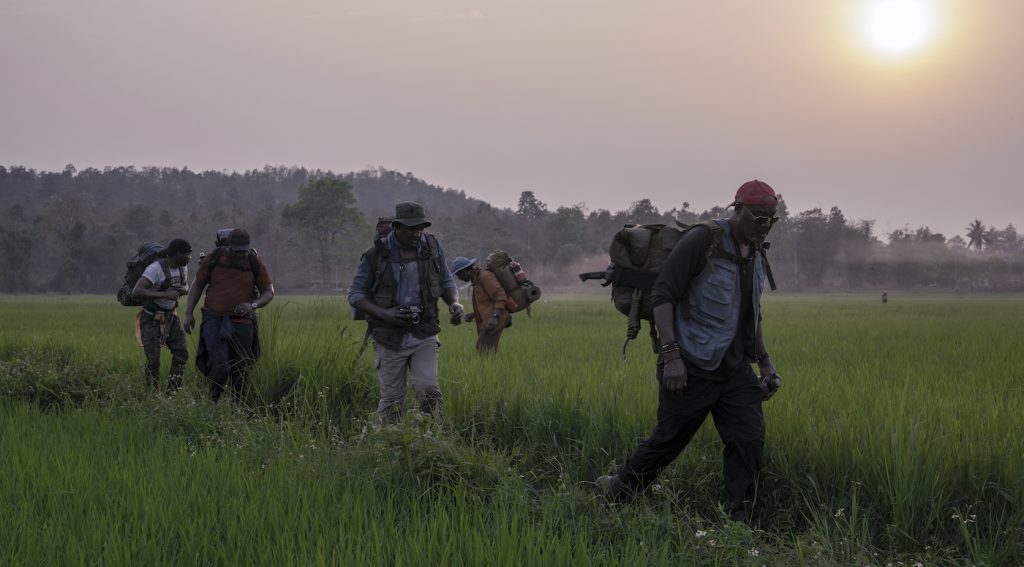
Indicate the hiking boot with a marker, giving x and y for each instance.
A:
(613, 489)
(739, 512)
(739, 516)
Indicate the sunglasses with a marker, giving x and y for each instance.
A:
(762, 220)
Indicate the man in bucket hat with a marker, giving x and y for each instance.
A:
(489, 297)
(707, 311)
(396, 286)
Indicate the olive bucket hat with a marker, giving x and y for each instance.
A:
(410, 214)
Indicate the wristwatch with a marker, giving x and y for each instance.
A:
(253, 305)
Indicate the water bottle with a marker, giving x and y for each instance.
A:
(517, 271)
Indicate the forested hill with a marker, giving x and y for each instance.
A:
(72, 231)
(375, 190)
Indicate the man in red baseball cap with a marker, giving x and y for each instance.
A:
(754, 210)
(707, 311)
(754, 193)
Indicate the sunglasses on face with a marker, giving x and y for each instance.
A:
(762, 220)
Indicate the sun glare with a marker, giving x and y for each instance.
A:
(895, 28)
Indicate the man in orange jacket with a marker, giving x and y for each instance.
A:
(489, 297)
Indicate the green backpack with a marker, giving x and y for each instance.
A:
(637, 253)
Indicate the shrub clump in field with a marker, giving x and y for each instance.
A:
(417, 455)
(51, 380)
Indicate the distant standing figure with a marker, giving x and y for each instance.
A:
(885, 297)
(396, 286)
(489, 309)
(229, 341)
(159, 288)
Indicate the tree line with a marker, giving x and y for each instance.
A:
(72, 231)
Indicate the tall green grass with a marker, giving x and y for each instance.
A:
(897, 436)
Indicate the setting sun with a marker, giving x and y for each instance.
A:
(895, 28)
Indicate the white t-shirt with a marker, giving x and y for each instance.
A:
(155, 274)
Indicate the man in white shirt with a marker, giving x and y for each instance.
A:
(159, 288)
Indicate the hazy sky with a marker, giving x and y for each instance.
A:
(584, 101)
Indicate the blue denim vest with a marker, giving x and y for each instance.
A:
(708, 317)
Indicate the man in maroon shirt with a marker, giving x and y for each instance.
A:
(236, 283)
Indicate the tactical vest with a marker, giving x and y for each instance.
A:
(381, 256)
(708, 317)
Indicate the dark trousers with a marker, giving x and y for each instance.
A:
(163, 328)
(487, 343)
(735, 407)
(229, 354)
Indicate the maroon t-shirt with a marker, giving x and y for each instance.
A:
(231, 284)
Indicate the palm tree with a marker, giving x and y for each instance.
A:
(977, 236)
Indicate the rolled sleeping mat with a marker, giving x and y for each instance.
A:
(532, 293)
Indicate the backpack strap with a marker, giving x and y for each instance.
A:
(715, 248)
(715, 251)
(254, 264)
(719, 253)
(763, 247)
(167, 275)
(430, 251)
(377, 256)
(214, 261)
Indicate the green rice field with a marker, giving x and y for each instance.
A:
(897, 438)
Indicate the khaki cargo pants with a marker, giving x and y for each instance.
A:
(420, 363)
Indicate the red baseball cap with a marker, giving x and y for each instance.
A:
(756, 193)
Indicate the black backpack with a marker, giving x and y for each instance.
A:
(254, 264)
(221, 243)
(146, 255)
